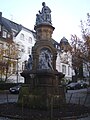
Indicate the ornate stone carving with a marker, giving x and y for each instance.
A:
(29, 63)
(44, 16)
(45, 60)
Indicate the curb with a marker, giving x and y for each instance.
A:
(74, 117)
(62, 118)
(10, 116)
(4, 91)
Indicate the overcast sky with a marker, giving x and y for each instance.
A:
(66, 14)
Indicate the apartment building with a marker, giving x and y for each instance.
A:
(23, 37)
(25, 40)
(64, 58)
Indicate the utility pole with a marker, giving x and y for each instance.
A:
(17, 69)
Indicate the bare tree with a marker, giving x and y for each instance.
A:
(81, 47)
(8, 56)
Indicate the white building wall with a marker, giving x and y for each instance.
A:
(86, 70)
(24, 44)
(68, 66)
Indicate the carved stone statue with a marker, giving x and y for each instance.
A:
(25, 64)
(44, 15)
(45, 61)
(30, 62)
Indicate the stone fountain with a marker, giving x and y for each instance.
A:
(42, 81)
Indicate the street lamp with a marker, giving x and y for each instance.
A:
(17, 68)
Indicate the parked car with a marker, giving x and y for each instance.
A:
(83, 84)
(15, 89)
(76, 85)
(73, 86)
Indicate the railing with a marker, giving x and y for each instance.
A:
(80, 98)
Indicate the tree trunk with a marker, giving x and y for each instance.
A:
(6, 73)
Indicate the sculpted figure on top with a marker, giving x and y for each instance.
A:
(44, 16)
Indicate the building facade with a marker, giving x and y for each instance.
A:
(64, 58)
(25, 40)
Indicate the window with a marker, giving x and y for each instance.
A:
(0, 27)
(64, 69)
(22, 48)
(8, 35)
(23, 65)
(4, 34)
(1, 50)
(68, 70)
(56, 46)
(30, 40)
(22, 36)
(66, 56)
(29, 50)
(14, 34)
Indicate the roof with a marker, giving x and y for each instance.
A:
(64, 41)
(0, 17)
(54, 42)
(11, 25)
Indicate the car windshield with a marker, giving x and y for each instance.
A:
(72, 84)
(18, 86)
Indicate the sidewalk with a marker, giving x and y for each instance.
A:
(81, 97)
(4, 91)
(88, 90)
(85, 118)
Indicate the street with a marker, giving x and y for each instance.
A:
(72, 96)
(7, 97)
(81, 96)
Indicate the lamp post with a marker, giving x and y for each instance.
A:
(17, 68)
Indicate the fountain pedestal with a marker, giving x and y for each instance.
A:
(43, 80)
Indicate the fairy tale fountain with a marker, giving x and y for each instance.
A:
(42, 79)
